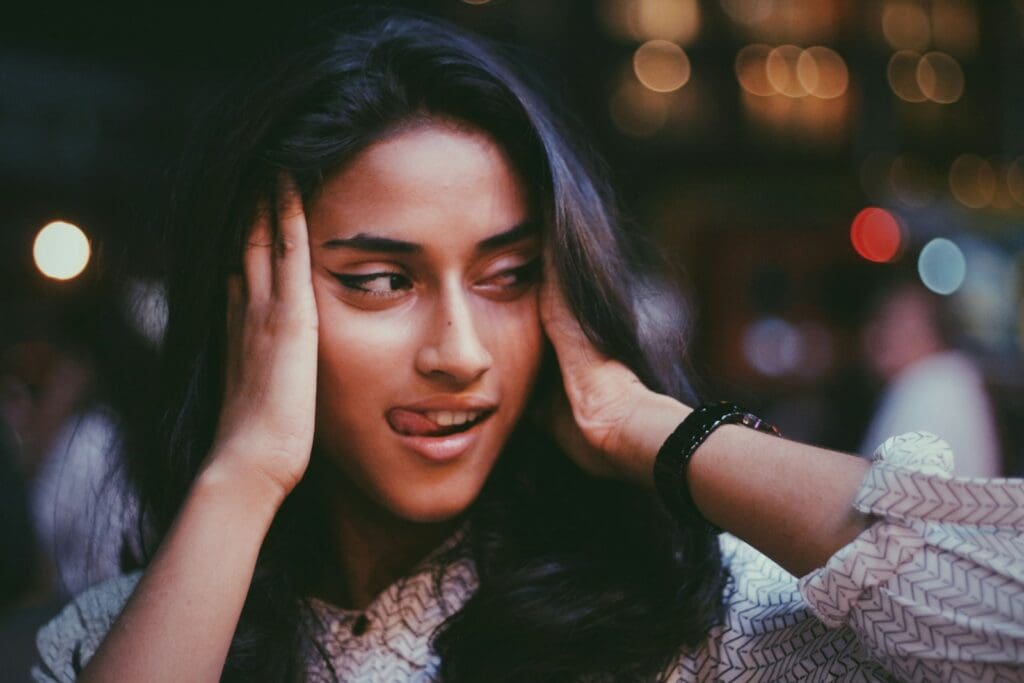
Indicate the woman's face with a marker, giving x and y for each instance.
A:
(425, 264)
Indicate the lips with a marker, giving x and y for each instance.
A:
(409, 422)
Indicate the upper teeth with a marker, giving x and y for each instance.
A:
(445, 418)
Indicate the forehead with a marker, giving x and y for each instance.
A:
(433, 181)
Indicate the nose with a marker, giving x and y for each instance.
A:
(452, 348)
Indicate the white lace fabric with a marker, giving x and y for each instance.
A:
(932, 591)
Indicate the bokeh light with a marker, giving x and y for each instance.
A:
(61, 250)
(781, 67)
(942, 266)
(972, 181)
(876, 235)
(773, 346)
(940, 78)
(751, 70)
(822, 72)
(661, 66)
(902, 75)
(791, 71)
(675, 20)
(678, 21)
(905, 25)
(747, 12)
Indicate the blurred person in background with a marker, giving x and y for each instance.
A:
(929, 385)
(65, 388)
(17, 543)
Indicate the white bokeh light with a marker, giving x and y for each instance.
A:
(61, 250)
(774, 347)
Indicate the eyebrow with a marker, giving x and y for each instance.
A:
(375, 243)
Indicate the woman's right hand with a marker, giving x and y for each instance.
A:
(265, 428)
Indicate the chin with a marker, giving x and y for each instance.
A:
(432, 506)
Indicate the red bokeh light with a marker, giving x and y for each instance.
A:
(876, 235)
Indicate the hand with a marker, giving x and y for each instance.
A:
(265, 427)
(608, 422)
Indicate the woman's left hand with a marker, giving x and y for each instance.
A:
(608, 422)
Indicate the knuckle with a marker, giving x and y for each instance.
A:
(287, 244)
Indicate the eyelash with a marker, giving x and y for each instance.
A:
(356, 282)
(525, 274)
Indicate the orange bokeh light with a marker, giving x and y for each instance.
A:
(876, 235)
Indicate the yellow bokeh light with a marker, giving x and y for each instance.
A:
(902, 75)
(781, 67)
(972, 181)
(747, 12)
(940, 78)
(822, 72)
(661, 66)
(752, 72)
(905, 25)
(674, 20)
(61, 250)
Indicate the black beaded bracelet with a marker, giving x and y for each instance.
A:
(674, 457)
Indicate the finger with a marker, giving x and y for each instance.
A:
(256, 260)
(292, 279)
(572, 346)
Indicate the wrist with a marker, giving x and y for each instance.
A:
(238, 483)
(672, 464)
(657, 416)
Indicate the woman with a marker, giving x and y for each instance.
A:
(390, 263)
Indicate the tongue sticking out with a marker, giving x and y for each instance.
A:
(413, 423)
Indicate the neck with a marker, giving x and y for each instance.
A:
(371, 546)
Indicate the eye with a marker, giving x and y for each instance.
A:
(515, 279)
(383, 284)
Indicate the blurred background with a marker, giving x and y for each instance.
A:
(839, 186)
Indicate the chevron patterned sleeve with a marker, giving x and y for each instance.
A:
(68, 642)
(934, 589)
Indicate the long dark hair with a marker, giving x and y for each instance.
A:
(578, 577)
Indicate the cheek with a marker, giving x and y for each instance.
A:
(516, 343)
(353, 350)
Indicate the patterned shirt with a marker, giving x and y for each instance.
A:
(933, 590)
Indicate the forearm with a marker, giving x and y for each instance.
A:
(791, 501)
(180, 620)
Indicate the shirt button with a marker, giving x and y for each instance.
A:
(360, 625)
